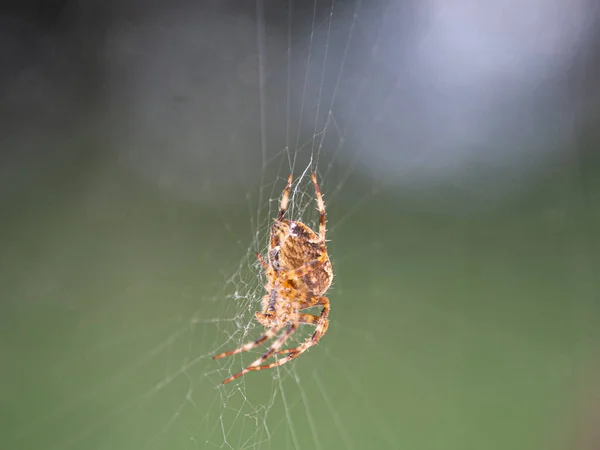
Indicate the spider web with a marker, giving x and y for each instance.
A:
(276, 411)
(273, 409)
(323, 94)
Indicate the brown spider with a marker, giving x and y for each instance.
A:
(298, 272)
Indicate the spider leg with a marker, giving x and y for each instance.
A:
(256, 365)
(321, 208)
(250, 345)
(321, 323)
(261, 260)
(280, 362)
(297, 351)
(293, 353)
(284, 199)
(308, 319)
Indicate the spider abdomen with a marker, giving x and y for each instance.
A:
(318, 281)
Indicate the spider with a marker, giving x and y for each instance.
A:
(298, 273)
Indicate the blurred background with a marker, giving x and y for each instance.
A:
(143, 149)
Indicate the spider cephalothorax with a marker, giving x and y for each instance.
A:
(298, 273)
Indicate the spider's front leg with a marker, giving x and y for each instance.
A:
(321, 208)
(285, 198)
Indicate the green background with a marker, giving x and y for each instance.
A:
(449, 331)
